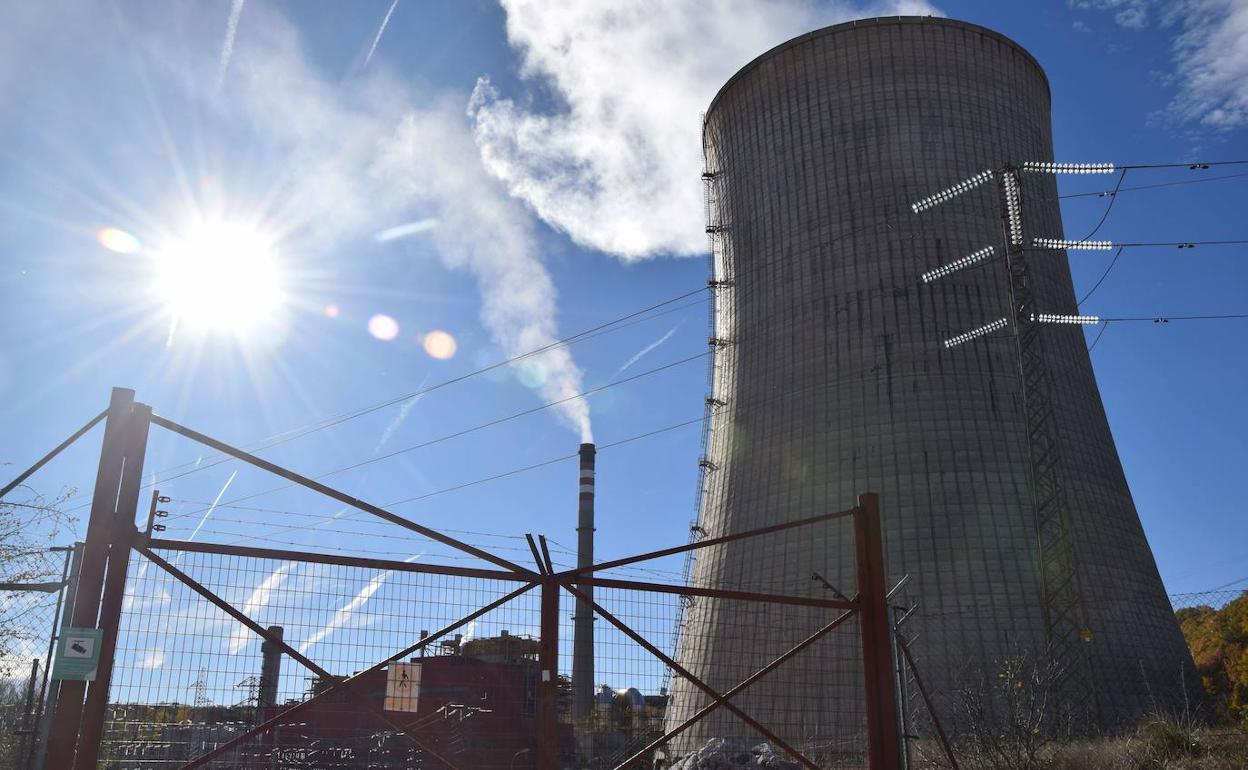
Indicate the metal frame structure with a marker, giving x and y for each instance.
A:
(1066, 631)
(1065, 621)
(112, 535)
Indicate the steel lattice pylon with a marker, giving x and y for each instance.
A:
(1065, 617)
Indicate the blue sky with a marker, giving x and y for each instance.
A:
(548, 162)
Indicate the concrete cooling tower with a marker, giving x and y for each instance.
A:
(831, 378)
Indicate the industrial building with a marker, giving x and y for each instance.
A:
(831, 378)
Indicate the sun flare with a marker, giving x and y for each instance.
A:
(220, 276)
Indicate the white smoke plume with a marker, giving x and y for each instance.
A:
(376, 152)
(617, 167)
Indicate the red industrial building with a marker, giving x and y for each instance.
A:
(474, 703)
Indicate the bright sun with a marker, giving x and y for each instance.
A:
(220, 276)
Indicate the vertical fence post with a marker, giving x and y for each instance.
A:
(883, 746)
(63, 739)
(548, 679)
(122, 540)
(64, 618)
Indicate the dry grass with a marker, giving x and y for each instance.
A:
(1162, 744)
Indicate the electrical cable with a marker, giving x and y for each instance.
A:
(1136, 188)
(1224, 586)
(1198, 166)
(332, 421)
(1101, 333)
(1101, 280)
(328, 422)
(296, 433)
(1113, 198)
(1185, 244)
(503, 475)
(1158, 319)
(456, 434)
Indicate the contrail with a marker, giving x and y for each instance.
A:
(402, 231)
(212, 507)
(380, 30)
(348, 610)
(227, 46)
(648, 348)
(399, 418)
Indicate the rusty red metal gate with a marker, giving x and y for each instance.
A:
(113, 537)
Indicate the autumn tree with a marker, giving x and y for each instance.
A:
(1218, 639)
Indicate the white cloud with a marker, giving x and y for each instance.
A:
(616, 167)
(1132, 14)
(153, 659)
(1211, 62)
(1210, 55)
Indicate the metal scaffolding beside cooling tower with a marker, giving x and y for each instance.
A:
(830, 376)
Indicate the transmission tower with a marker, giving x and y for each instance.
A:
(200, 686)
(1067, 633)
(1065, 618)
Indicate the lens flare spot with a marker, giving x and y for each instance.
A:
(383, 327)
(532, 374)
(332, 311)
(118, 240)
(439, 344)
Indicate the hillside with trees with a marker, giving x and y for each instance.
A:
(1219, 642)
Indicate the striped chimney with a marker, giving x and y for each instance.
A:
(583, 619)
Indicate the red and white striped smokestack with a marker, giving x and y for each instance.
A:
(583, 619)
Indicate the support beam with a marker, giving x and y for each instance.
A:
(547, 727)
(696, 682)
(338, 685)
(341, 497)
(42, 461)
(707, 543)
(190, 546)
(121, 535)
(762, 672)
(67, 719)
(883, 740)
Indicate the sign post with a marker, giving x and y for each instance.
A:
(77, 654)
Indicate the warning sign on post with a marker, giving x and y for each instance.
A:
(77, 654)
(402, 687)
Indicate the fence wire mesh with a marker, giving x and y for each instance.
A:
(188, 678)
(27, 619)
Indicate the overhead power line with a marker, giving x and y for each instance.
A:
(1196, 166)
(1158, 185)
(620, 322)
(1167, 319)
(1100, 280)
(456, 434)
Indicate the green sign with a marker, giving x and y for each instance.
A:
(77, 654)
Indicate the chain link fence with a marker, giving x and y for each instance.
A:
(29, 609)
